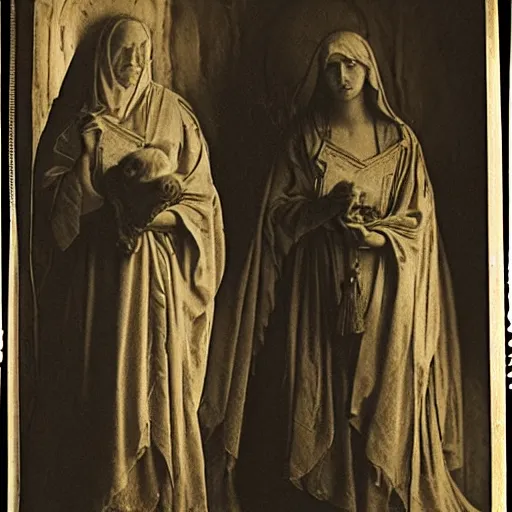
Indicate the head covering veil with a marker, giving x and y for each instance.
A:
(352, 46)
(108, 95)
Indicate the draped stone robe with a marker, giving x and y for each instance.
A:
(123, 341)
(394, 390)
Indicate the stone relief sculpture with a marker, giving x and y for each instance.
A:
(345, 311)
(128, 255)
(169, 138)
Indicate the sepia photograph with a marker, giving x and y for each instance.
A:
(256, 256)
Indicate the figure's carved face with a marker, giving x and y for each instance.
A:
(345, 77)
(129, 46)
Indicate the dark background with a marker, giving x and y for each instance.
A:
(432, 58)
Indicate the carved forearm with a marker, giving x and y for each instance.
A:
(163, 222)
(91, 200)
(301, 218)
(375, 240)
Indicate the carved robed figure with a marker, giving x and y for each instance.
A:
(347, 319)
(123, 335)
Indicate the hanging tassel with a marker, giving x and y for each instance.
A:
(357, 321)
(352, 314)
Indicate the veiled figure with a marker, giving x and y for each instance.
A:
(357, 386)
(122, 337)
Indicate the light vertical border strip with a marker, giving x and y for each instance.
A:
(13, 447)
(509, 255)
(496, 264)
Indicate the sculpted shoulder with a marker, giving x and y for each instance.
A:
(409, 137)
(186, 111)
(303, 134)
(193, 143)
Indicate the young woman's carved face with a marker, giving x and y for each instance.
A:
(129, 52)
(345, 77)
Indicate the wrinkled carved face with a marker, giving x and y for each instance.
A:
(129, 49)
(345, 77)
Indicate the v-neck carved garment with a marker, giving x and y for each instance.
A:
(374, 176)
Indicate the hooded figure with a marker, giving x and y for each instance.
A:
(354, 342)
(122, 337)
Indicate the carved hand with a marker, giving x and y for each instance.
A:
(343, 195)
(90, 134)
(366, 237)
(91, 130)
